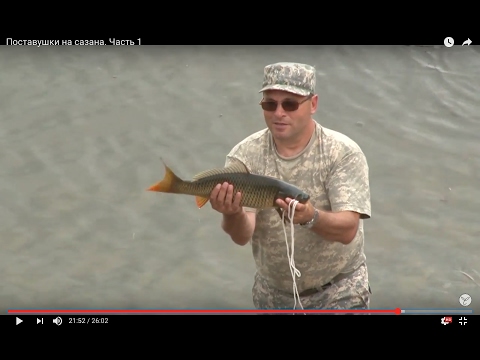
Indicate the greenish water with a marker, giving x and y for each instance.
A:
(83, 128)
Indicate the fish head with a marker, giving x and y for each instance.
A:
(300, 196)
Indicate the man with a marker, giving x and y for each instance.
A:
(327, 165)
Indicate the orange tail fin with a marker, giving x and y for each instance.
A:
(168, 183)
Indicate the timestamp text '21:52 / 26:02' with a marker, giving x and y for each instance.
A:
(88, 320)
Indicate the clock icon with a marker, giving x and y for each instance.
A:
(448, 42)
(465, 300)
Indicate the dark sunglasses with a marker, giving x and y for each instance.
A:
(287, 105)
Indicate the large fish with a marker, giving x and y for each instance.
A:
(258, 191)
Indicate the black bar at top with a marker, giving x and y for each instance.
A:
(194, 38)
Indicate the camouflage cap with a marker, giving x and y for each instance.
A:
(292, 77)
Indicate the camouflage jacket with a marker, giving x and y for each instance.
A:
(333, 170)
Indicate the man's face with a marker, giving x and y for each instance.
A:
(284, 124)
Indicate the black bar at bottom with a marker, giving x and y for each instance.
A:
(112, 322)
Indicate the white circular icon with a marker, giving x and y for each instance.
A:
(465, 300)
(448, 42)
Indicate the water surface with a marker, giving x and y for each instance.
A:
(83, 128)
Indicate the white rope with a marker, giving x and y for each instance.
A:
(291, 262)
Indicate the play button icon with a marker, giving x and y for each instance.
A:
(19, 320)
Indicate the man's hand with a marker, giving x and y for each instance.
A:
(224, 201)
(239, 224)
(303, 212)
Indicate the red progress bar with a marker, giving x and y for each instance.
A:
(113, 311)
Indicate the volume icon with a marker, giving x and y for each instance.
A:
(57, 320)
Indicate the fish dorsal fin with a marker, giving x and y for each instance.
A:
(236, 167)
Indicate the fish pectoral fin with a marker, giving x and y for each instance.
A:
(201, 201)
(236, 167)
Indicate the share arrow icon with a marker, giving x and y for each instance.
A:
(467, 42)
